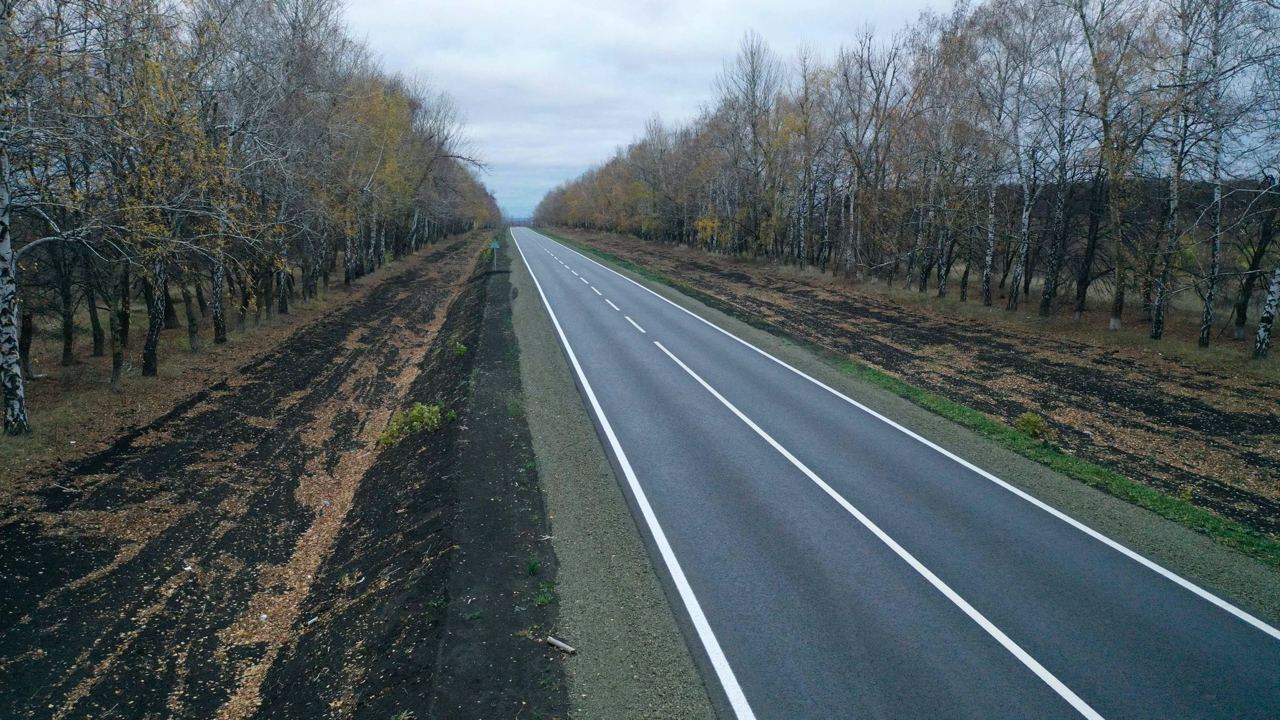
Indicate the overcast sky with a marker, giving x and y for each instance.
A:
(548, 89)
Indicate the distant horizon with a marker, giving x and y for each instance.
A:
(539, 113)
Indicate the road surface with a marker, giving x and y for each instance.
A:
(833, 564)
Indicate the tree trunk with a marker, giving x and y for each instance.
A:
(115, 314)
(246, 296)
(200, 300)
(125, 308)
(1177, 145)
(91, 303)
(1172, 235)
(170, 310)
(1084, 277)
(989, 258)
(946, 258)
(66, 308)
(284, 284)
(1024, 244)
(347, 261)
(381, 250)
(1054, 264)
(1263, 341)
(1117, 297)
(218, 293)
(11, 380)
(1215, 245)
(193, 325)
(1266, 232)
(265, 304)
(153, 289)
(1217, 35)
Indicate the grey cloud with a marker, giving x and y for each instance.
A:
(550, 88)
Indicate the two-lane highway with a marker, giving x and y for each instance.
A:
(833, 564)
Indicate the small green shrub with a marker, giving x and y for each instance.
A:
(403, 424)
(458, 348)
(546, 595)
(534, 566)
(1034, 426)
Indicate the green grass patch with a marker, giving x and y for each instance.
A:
(1177, 509)
(419, 417)
(457, 347)
(1033, 441)
(546, 594)
(514, 408)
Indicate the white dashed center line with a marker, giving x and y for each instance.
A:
(615, 307)
(633, 323)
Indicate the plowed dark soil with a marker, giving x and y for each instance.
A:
(1187, 430)
(253, 553)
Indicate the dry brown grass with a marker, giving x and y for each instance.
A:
(1180, 342)
(73, 411)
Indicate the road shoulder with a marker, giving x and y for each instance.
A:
(1251, 584)
(632, 661)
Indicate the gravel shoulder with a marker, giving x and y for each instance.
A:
(1249, 583)
(632, 661)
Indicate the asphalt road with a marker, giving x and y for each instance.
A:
(832, 564)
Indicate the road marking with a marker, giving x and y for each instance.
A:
(575, 272)
(633, 323)
(720, 663)
(615, 307)
(1114, 545)
(594, 290)
(1049, 679)
(583, 279)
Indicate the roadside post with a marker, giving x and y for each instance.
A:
(494, 247)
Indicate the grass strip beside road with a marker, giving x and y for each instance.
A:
(1227, 532)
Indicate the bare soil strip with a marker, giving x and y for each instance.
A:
(252, 552)
(1200, 434)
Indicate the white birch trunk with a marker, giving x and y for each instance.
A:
(1215, 118)
(989, 256)
(1268, 319)
(11, 386)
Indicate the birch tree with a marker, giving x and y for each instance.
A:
(1096, 145)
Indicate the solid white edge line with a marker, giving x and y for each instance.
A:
(615, 307)
(720, 663)
(1113, 544)
(634, 324)
(594, 290)
(1016, 650)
